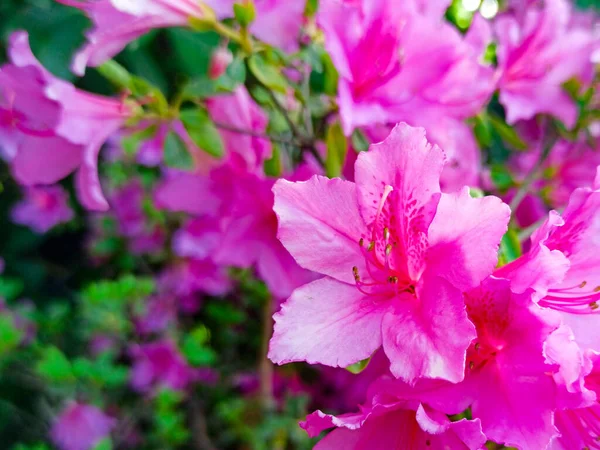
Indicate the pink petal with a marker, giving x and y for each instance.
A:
(319, 224)
(327, 322)
(464, 237)
(412, 167)
(428, 337)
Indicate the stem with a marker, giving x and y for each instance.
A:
(201, 440)
(265, 367)
(241, 39)
(281, 140)
(551, 139)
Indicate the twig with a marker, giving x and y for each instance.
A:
(265, 367)
(281, 140)
(201, 440)
(551, 138)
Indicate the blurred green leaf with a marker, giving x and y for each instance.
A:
(510, 247)
(267, 73)
(55, 366)
(358, 367)
(360, 142)
(501, 177)
(10, 335)
(507, 133)
(11, 288)
(244, 13)
(176, 153)
(337, 147)
(203, 131)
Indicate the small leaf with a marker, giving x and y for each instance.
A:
(267, 73)
(244, 13)
(176, 152)
(510, 247)
(337, 147)
(507, 133)
(203, 131)
(10, 335)
(273, 166)
(55, 366)
(358, 367)
(501, 177)
(11, 288)
(360, 142)
(234, 75)
(104, 444)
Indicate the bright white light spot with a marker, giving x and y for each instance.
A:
(489, 8)
(471, 5)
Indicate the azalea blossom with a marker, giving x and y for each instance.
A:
(81, 427)
(392, 65)
(43, 208)
(53, 121)
(119, 22)
(564, 249)
(384, 245)
(538, 51)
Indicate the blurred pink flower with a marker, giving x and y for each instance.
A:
(538, 51)
(157, 365)
(278, 22)
(46, 119)
(42, 208)
(219, 61)
(81, 427)
(396, 61)
(119, 22)
(385, 245)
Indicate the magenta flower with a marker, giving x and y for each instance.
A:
(239, 111)
(395, 62)
(157, 365)
(396, 255)
(47, 119)
(507, 370)
(81, 427)
(278, 22)
(538, 52)
(43, 208)
(119, 22)
(580, 427)
(390, 422)
(561, 266)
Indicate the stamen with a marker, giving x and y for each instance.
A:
(361, 242)
(386, 234)
(356, 274)
(582, 285)
(371, 246)
(594, 306)
(393, 280)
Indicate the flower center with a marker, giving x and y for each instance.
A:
(381, 278)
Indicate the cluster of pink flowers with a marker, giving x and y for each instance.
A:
(396, 263)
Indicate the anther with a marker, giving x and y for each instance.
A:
(477, 346)
(388, 249)
(471, 365)
(393, 280)
(597, 289)
(361, 242)
(594, 306)
(356, 274)
(386, 234)
(371, 246)
(582, 285)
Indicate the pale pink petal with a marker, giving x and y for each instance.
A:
(464, 238)
(327, 322)
(428, 337)
(411, 167)
(319, 224)
(186, 192)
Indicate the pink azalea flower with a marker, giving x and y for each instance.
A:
(119, 22)
(81, 427)
(580, 427)
(159, 312)
(239, 111)
(47, 119)
(396, 255)
(249, 233)
(43, 208)
(561, 266)
(390, 422)
(159, 364)
(190, 276)
(395, 62)
(507, 370)
(278, 22)
(537, 53)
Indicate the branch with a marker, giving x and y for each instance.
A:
(281, 140)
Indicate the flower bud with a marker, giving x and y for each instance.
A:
(219, 62)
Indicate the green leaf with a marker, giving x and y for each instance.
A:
(273, 166)
(337, 147)
(104, 444)
(501, 177)
(203, 131)
(195, 349)
(267, 73)
(507, 133)
(358, 367)
(176, 153)
(10, 335)
(510, 247)
(234, 75)
(360, 142)
(11, 288)
(132, 142)
(55, 366)
(244, 13)
(312, 6)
